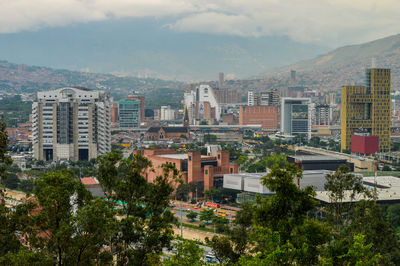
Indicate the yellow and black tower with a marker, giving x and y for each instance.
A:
(366, 109)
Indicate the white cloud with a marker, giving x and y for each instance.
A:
(323, 21)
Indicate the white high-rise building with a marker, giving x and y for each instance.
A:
(196, 102)
(71, 124)
(167, 113)
(250, 98)
(296, 116)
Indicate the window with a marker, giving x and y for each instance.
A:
(231, 170)
(190, 158)
(206, 172)
(219, 156)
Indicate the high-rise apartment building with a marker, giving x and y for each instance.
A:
(293, 75)
(250, 98)
(296, 116)
(220, 80)
(366, 109)
(167, 113)
(129, 114)
(228, 96)
(270, 97)
(322, 114)
(71, 124)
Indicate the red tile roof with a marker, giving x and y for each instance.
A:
(88, 181)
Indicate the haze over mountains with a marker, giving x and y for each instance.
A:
(342, 66)
(147, 48)
(346, 65)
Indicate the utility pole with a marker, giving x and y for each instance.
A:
(181, 221)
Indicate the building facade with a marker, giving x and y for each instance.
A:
(142, 106)
(167, 133)
(71, 124)
(296, 116)
(322, 115)
(167, 113)
(266, 116)
(194, 167)
(129, 114)
(366, 109)
(270, 97)
(202, 103)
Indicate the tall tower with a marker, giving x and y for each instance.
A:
(366, 109)
(221, 79)
(71, 124)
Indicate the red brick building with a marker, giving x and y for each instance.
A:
(266, 116)
(168, 133)
(194, 167)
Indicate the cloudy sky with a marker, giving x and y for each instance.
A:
(324, 23)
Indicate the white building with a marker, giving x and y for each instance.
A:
(71, 124)
(167, 113)
(195, 103)
(296, 116)
(250, 98)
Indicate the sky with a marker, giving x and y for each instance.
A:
(304, 28)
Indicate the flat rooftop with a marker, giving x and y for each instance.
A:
(315, 158)
(182, 156)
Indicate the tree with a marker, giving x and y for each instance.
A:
(8, 228)
(51, 230)
(221, 224)
(187, 253)
(358, 254)
(207, 215)
(367, 218)
(310, 239)
(393, 215)
(11, 181)
(182, 192)
(145, 227)
(26, 186)
(93, 227)
(342, 187)
(8, 239)
(231, 247)
(24, 256)
(192, 216)
(5, 159)
(271, 250)
(290, 204)
(386, 168)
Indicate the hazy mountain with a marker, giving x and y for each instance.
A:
(148, 48)
(346, 65)
(25, 78)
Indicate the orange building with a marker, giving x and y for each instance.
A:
(266, 116)
(194, 167)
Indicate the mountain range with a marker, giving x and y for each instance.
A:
(346, 65)
(343, 66)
